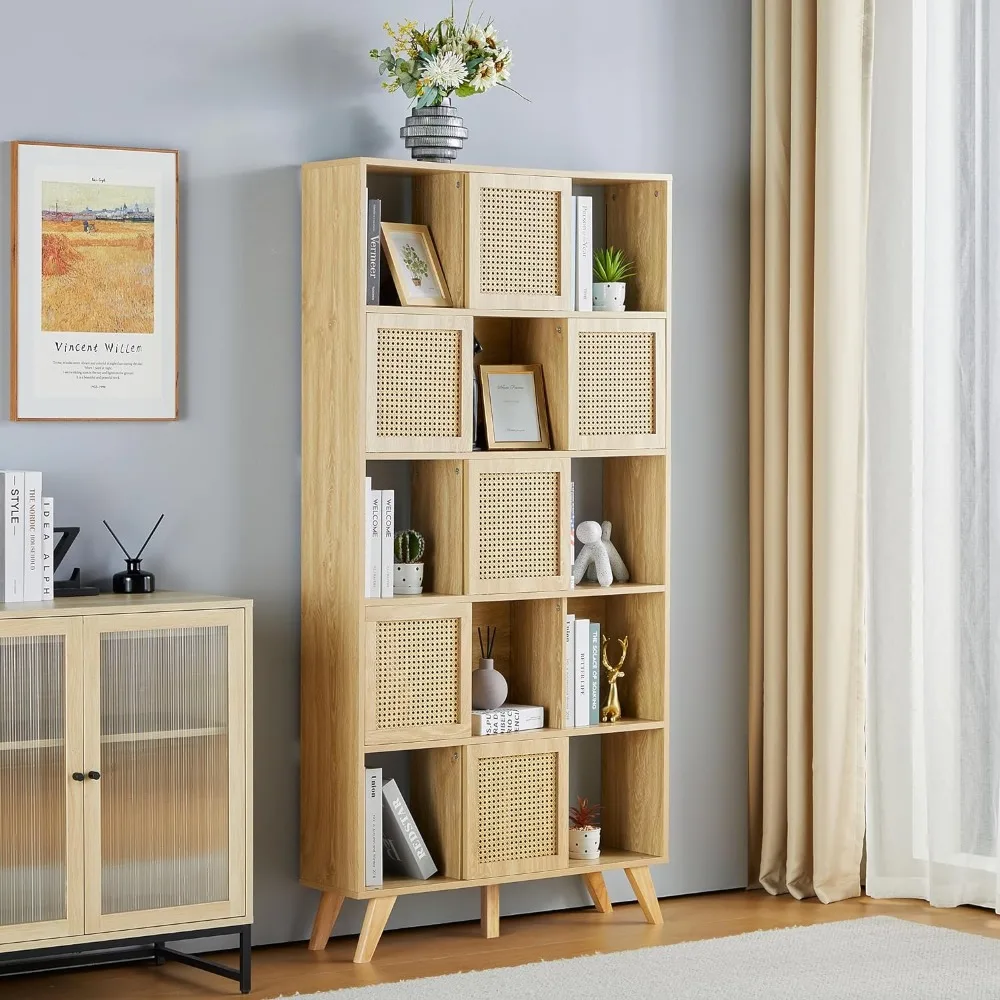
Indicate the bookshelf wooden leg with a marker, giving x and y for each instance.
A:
(594, 881)
(326, 916)
(371, 930)
(489, 919)
(645, 892)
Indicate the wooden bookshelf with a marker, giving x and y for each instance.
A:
(373, 670)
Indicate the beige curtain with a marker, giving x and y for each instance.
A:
(809, 167)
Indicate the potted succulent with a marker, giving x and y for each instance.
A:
(611, 271)
(584, 831)
(408, 568)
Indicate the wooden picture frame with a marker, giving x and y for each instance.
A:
(413, 262)
(94, 282)
(508, 423)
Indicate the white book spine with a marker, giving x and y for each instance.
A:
(572, 243)
(368, 539)
(585, 253)
(32, 536)
(388, 531)
(569, 672)
(374, 546)
(48, 549)
(373, 826)
(13, 549)
(581, 675)
(572, 530)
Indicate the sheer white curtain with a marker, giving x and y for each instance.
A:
(933, 756)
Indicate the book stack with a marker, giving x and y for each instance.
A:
(392, 838)
(582, 672)
(26, 543)
(380, 529)
(507, 719)
(582, 258)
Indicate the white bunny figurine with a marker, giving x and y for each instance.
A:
(599, 559)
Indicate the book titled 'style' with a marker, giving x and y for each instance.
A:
(405, 850)
(13, 535)
(373, 826)
(48, 549)
(507, 719)
(373, 260)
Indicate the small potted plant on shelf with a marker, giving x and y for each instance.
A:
(408, 568)
(611, 271)
(584, 831)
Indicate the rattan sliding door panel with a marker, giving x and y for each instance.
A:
(418, 673)
(41, 806)
(516, 807)
(519, 242)
(419, 383)
(518, 525)
(617, 383)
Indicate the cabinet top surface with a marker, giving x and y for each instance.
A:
(388, 166)
(106, 604)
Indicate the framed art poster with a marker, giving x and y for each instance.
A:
(413, 261)
(93, 283)
(514, 406)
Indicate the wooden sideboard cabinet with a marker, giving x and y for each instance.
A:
(125, 772)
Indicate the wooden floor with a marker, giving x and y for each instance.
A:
(409, 954)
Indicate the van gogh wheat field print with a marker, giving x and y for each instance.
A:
(94, 310)
(97, 258)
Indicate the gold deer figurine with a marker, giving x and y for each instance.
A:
(612, 710)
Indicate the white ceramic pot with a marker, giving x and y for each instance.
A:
(407, 578)
(584, 845)
(609, 296)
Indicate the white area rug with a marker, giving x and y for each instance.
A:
(875, 958)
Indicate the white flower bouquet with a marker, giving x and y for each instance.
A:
(431, 64)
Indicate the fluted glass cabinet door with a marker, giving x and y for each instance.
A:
(167, 771)
(41, 806)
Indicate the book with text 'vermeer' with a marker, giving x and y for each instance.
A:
(373, 262)
(405, 849)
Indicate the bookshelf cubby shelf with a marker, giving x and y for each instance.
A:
(490, 553)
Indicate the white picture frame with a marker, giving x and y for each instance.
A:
(94, 283)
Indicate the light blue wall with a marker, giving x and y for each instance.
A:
(248, 90)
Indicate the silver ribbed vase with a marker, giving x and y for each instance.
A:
(434, 133)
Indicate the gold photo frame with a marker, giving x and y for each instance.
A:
(515, 408)
(413, 261)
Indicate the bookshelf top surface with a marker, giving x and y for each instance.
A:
(108, 604)
(380, 165)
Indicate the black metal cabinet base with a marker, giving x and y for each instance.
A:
(152, 947)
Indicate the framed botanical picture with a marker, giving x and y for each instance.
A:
(514, 406)
(413, 261)
(93, 283)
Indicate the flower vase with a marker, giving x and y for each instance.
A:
(435, 134)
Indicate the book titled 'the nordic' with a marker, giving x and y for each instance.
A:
(404, 847)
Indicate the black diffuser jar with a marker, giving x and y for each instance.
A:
(133, 579)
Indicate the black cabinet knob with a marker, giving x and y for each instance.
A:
(94, 775)
(77, 776)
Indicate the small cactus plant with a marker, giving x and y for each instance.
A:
(408, 546)
(584, 816)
